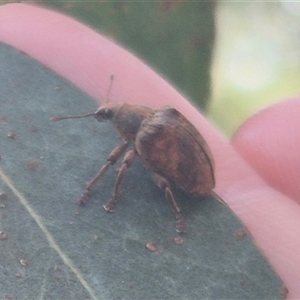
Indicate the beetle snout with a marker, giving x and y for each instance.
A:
(99, 118)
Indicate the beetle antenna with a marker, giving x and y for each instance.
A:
(112, 76)
(55, 119)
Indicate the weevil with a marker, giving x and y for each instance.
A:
(168, 145)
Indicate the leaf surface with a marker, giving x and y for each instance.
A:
(84, 252)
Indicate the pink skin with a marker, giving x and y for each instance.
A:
(266, 200)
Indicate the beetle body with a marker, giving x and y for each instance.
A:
(168, 145)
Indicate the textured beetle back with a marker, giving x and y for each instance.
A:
(171, 146)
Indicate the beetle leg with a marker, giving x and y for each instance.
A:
(163, 184)
(127, 161)
(112, 158)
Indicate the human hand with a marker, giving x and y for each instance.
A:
(271, 217)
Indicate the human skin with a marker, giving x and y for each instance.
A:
(268, 207)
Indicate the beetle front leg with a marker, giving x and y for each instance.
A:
(127, 161)
(163, 184)
(112, 158)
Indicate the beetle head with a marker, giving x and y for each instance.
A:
(107, 111)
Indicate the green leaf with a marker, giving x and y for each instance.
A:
(84, 252)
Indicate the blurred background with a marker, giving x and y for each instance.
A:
(256, 60)
(229, 58)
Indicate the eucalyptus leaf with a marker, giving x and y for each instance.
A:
(55, 249)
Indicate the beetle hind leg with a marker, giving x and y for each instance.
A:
(163, 184)
(127, 161)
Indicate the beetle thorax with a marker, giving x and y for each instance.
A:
(127, 119)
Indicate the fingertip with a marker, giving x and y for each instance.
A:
(269, 141)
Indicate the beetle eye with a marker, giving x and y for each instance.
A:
(104, 114)
(107, 114)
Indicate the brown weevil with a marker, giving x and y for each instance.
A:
(168, 145)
